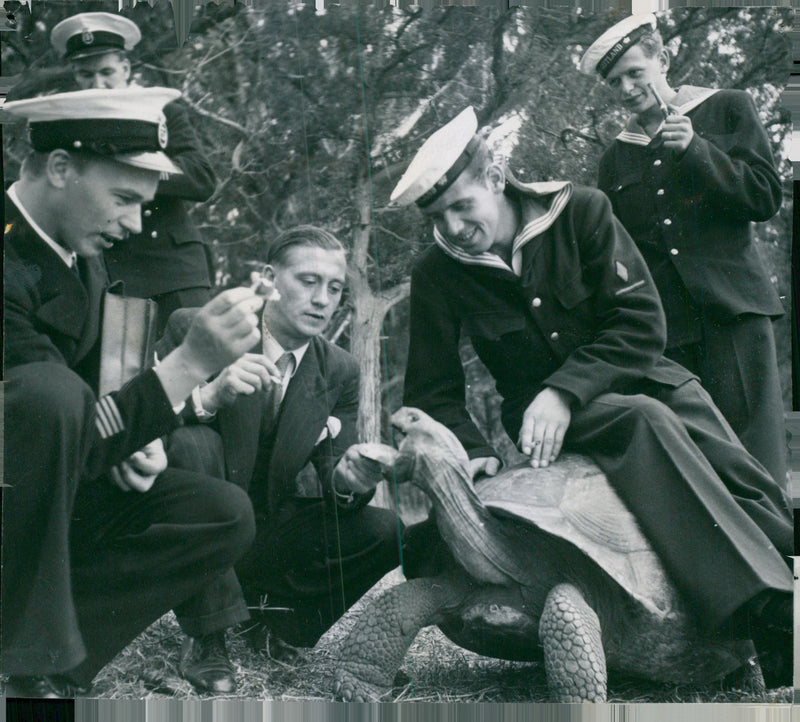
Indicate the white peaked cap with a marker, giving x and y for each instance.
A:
(440, 160)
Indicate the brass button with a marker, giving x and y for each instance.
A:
(674, 251)
(148, 213)
(536, 302)
(660, 192)
(667, 222)
(657, 162)
(154, 234)
(554, 336)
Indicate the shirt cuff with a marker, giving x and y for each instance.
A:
(197, 406)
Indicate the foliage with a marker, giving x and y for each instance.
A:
(311, 117)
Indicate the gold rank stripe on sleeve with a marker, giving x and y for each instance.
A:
(8, 227)
(109, 420)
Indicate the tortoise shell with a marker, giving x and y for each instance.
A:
(574, 501)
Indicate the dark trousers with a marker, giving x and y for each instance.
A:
(737, 364)
(317, 561)
(717, 519)
(309, 563)
(220, 604)
(86, 566)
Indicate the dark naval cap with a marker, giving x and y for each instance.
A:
(440, 160)
(86, 34)
(604, 52)
(126, 125)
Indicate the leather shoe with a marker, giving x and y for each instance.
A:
(43, 687)
(205, 663)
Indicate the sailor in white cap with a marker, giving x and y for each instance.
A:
(87, 34)
(560, 307)
(687, 176)
(168, 263)
(99, 539)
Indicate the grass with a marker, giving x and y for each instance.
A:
(435, 670)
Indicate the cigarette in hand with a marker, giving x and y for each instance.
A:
(661, 104)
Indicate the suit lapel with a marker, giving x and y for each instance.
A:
(304, 412)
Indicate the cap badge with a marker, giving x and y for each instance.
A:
(87, 37)
(162, 132)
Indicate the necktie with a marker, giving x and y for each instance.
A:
(274, 394)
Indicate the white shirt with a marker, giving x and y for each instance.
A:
(69, 258)
(273, 351)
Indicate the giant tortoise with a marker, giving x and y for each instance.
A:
(548, 563)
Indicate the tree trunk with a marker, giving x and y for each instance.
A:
(369, 310)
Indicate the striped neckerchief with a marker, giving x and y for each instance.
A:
(687, 98)
(532, 224)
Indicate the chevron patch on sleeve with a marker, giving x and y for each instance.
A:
(109, 420)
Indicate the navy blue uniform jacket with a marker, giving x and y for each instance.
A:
(49, 315)
(691, 214)
(584, 316)
(168, 254)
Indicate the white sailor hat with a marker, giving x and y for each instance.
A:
(85, 34)
(439, 161)
(126, 124)
(604, 52)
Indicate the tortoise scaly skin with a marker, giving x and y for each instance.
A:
(546, 564)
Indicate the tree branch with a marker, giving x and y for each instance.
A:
(393, 296)
(218, 118)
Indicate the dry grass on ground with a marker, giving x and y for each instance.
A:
(435, 670)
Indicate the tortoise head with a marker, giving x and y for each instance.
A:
(427, 447)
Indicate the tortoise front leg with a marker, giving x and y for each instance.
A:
(574, 660)
(373, 650)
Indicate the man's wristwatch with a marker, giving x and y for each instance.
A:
(347, 498)
(197, 405)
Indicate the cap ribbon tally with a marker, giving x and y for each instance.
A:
(609, 60)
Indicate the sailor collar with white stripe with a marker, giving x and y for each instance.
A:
(70, 258)
(531, 225)
(687, 99)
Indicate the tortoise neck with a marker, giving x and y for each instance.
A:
(477, 539)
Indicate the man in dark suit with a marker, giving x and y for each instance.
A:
(290, 401)
(97, 542)
(167, 260)
(561, 308)
(687, 177)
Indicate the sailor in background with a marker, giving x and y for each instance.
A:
(168, 261)
(687, 177)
